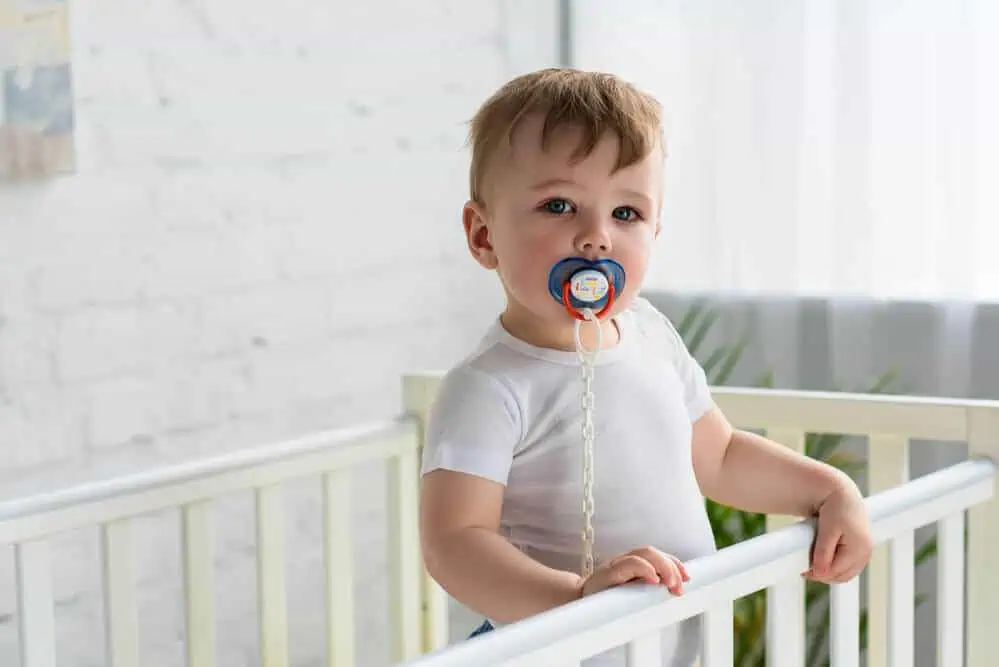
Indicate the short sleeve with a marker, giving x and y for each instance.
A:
(696, 391)
(473, 426)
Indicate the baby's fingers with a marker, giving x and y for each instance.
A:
(674, 582)
(681, 568)
(631, 568)
(671, 572)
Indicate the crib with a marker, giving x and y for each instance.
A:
(959, 499)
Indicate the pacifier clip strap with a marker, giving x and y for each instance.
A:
(587, 290)
(587, 362)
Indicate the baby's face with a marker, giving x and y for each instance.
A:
(541, 208)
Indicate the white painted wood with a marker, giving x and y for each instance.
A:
(35, 612)
(852, 414)
(199, 583)
(887, 467)
(435, 613)
(645, 651)
(763, 562)
(785, 601)
(786, 623)
(405, 575)
(844, 622)
(950, 590)
(271, 577)
(121, 618)
(92, 504)
(983, 547)
(901, 605)
(717, 649)
(793, 439)
(338, 560)
(418, 394)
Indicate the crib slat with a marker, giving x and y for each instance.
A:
(717, 649)
(786, 623)
(271, 577)
(887, 467)
(646, 651)
(901, 605)
(339, 570)
(35, 613)
(199, 585)
(404, 555)
(950, 590)
(982, 573)
(844, 631)
(121, 615)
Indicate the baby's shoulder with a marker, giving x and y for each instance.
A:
(651, 322)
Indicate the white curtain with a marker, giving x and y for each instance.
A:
(832, 186)
(818, 147)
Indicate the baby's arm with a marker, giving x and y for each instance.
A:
(464, 553)
(750, 472)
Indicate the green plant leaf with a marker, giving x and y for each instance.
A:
(689, 318)
(847, 464)
(820, 445)
(884, 381)
(713, 359)
(701, 331)
(765, 381)
(731, 360)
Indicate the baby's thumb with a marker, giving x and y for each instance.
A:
(825, 548)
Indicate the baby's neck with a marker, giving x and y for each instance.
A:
(558, 337)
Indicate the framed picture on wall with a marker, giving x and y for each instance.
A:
(36, 91)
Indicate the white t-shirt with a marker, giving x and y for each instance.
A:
(511, 412)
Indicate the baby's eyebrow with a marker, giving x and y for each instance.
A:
(636, 194)
(551, 182)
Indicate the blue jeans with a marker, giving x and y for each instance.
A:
(482, 629)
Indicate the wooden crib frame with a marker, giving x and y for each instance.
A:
(418, 607)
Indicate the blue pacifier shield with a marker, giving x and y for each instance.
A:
(588, 288)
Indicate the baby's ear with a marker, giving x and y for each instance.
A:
(477, 236)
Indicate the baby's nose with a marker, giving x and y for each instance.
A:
(593, 239)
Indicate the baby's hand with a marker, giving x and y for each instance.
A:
(643, 564)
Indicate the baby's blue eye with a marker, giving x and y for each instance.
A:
(625, 213)
(557, 206)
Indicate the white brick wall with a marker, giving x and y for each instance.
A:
(264, 191)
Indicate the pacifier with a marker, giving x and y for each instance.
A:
(579, 284)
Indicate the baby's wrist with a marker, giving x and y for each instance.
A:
(837, 484)
(577, 586)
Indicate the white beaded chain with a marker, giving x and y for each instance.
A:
(587, 361)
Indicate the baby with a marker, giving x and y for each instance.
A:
(569, 165)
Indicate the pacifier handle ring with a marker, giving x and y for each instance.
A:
(575, 313)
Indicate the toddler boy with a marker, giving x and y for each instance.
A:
(568, 165)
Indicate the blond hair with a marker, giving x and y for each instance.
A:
(596, 102)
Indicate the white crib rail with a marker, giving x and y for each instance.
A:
(27, 523)
(419, 606)
(630, 615)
